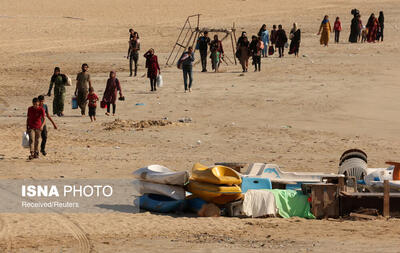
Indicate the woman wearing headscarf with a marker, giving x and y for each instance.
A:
(372, 27)
(153, 68)
(264, 35)
(243, 51)
(325, 31)
(381, 20)
(295, 36)
(256, 47)
(59, 81)
(110, 93)
(354, 30)
(281, 40)
(217, 52)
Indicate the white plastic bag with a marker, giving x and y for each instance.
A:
(286, 45)
(25, 140)
(69, 81)
(159, 81)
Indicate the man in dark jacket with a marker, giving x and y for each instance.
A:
(186, 63)
(202, 44)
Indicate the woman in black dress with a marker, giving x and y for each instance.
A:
(355, 26)
(381, 20)
(295, 36)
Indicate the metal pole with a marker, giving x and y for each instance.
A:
(386, 199)
(187, 19)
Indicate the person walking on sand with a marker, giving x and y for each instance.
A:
(153, 68)
(281, 40)
(133, 53)
(110, 93)
(133, 33)
(273, 37)
(83, 83)
(217, 53)
(372, 26)
(337, 27)
(295, 37)
(325, 31)
(355, 29)
(243, 52)
(185, 62)
(381, 20)
(264, 35)
(361, 28)
(92, 99)
(202, 44)
(35, 122)
(59, 81)
(256, 47)
(44, 131)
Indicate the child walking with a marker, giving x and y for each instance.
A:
(92, 99)
(337, 27)
(34, 127)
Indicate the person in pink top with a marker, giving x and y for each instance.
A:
(35, 122)
(337, 27)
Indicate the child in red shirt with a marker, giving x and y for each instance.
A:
(34, 126)
(92, 99)
(337, 27)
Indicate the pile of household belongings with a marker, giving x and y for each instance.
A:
(215, 191)
(161, 189)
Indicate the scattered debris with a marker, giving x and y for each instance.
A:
(119, 124)
(359, 216)
(185, 120)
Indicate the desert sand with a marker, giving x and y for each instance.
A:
(298, 113)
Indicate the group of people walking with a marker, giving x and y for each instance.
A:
(266, 43)
(371, 32)
(263, 44)
(85, 96)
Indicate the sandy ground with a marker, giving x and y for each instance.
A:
(299, 113)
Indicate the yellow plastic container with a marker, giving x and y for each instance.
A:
(215, 175)
(217, 194)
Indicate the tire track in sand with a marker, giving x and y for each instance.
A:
(84, 244)
(77, 232)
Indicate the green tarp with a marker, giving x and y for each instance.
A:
(292, 203)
